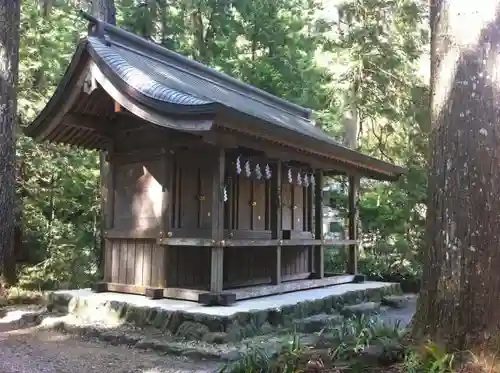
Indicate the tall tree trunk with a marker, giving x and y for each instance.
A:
(103, 10)
(9, 67)
(460, 295)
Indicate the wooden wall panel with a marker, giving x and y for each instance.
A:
(260, 208)
(247, 266)
(138, 195)
(298, 207)
(244, 206)
(296, 204)
(294, 260)
(193, 195)
(137, 262)
(188, 196)
(286, 206)
(205, 207)
(188, 267)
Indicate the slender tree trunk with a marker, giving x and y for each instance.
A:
(460, 297)
(9, 66)
(103, 10)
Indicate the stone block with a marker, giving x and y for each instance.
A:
(191, 330)
(316, 323)
(366, 308)
(395, 301)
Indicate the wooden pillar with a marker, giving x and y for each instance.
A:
(217, 251)
(319, 250)
(352, 257)
(166, 208)
(167, 187)
(108, 202)
(276, 231)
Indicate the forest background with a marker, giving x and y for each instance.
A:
(366, 59)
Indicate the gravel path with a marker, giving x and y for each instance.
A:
(40, 351)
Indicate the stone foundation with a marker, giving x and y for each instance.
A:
(216, 324)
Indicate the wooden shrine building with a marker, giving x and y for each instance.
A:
(212, 186)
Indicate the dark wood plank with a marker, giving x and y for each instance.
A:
(217, 299)
(217, 252)
(100, 287)
(259, 210)
(189, 195)
(139, 262)
(290, 286)
(115, 261)
(182, 294)
(286, 203)
(352, 261)
(204, 242)
(244, 203)
(151, 233)
(108, 260)
(153, 293)
(205, 210)
(147, 264)
(123, 262)
(130, 262)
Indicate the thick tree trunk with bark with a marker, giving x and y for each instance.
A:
(460, 299)
(9, 65)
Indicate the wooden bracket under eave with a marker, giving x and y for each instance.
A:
(118, 107)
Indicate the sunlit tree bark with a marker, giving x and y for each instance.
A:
(460, 299)
(9, 65)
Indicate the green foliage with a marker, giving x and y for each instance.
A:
(348, 340)
(432, 359)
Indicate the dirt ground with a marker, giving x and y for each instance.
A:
(33, 350)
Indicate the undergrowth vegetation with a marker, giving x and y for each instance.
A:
(359, 344)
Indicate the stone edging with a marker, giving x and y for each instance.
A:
(215, 329)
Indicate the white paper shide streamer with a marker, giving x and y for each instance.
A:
(267, 170)
(258, 171)
(238, 165)
(248, 169)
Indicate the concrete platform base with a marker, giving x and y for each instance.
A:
(244, 319)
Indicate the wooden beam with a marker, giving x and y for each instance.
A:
(93, 123)
(217, 299)
(352, 261)
(276, 221)
(282, 152)
(217, 251)
(319, 250)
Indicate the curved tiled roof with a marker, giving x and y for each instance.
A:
(161, 84)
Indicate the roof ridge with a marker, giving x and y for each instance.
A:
(236, 84)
